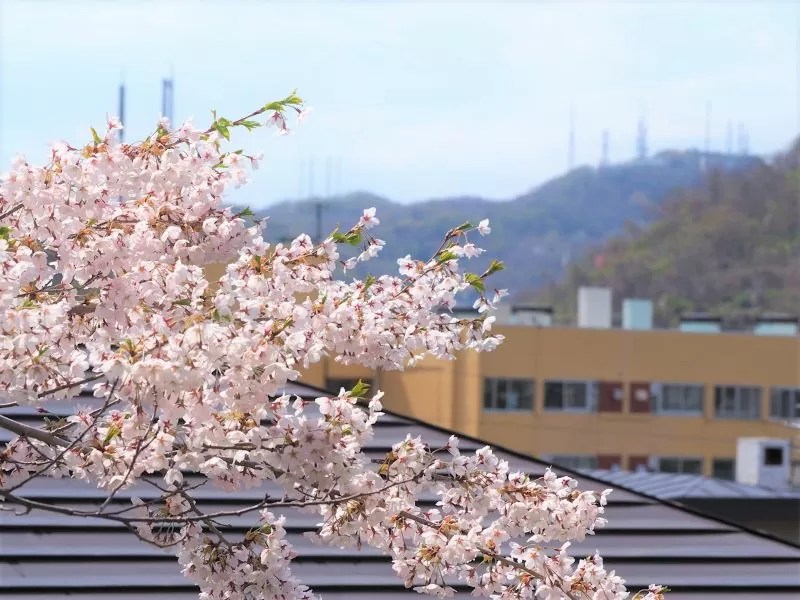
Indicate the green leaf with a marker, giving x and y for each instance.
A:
(250, 125)
(475, 281)
(221, 125)
(463, 227)
(293, 99)
(359, 389)
(276, 106)
(5, 233)
(445, 256)
(97, 139)
(494, 267)
(245, 213)
(351, 237)
(182, 302)
(368, 283)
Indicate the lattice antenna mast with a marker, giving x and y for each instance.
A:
(571, 149)
(641, 138)
(604, 150)
(121, 109)
(168, 98)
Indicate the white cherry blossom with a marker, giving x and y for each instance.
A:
(102, 284)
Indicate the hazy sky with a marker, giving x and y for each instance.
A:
(419, 99)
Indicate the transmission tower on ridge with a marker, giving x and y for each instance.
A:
(571, 149)
(641, 138)
(168, 99)
(121, 110)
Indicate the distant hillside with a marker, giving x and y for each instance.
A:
(536, 234)
(730, 246)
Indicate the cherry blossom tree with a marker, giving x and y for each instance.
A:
(102, 288)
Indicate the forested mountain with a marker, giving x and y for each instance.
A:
(730, 246)
(535, 234)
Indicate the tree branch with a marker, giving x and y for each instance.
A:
(31, 432)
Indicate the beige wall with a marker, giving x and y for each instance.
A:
(450, 393)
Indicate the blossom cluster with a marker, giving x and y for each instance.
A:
(102, 284)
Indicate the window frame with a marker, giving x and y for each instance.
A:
(571, 461)
(719, 461)
(792, 391)
(494, 394)
(738, 402)
(592, 390)
(657, 393)
(681, 461)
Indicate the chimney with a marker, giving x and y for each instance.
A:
(763, 461)
(594, 307)
(531, 315)
(637, 314)
(776, 325)
(700, 323)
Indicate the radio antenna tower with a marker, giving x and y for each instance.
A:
(571, 149)
(707, 140)
(741, 139)
(729, 138)
(604, 152)
(168, 98)
(641, 138)
(121, 109)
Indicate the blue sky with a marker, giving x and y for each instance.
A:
(418, 99)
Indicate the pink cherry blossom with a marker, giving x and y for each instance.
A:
(102, 284)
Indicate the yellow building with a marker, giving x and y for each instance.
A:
(669, 400)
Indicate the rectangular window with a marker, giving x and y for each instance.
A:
(570, 396)
(575, 462)
(679, 464)
(734, 402)
(773, 456)
(785, 403)
(677, 398)
(724, 468)
(507, 394)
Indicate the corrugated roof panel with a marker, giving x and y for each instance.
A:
(47, 555)
(684, 485)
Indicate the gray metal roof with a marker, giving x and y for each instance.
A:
(47, 555)
(684, 485)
